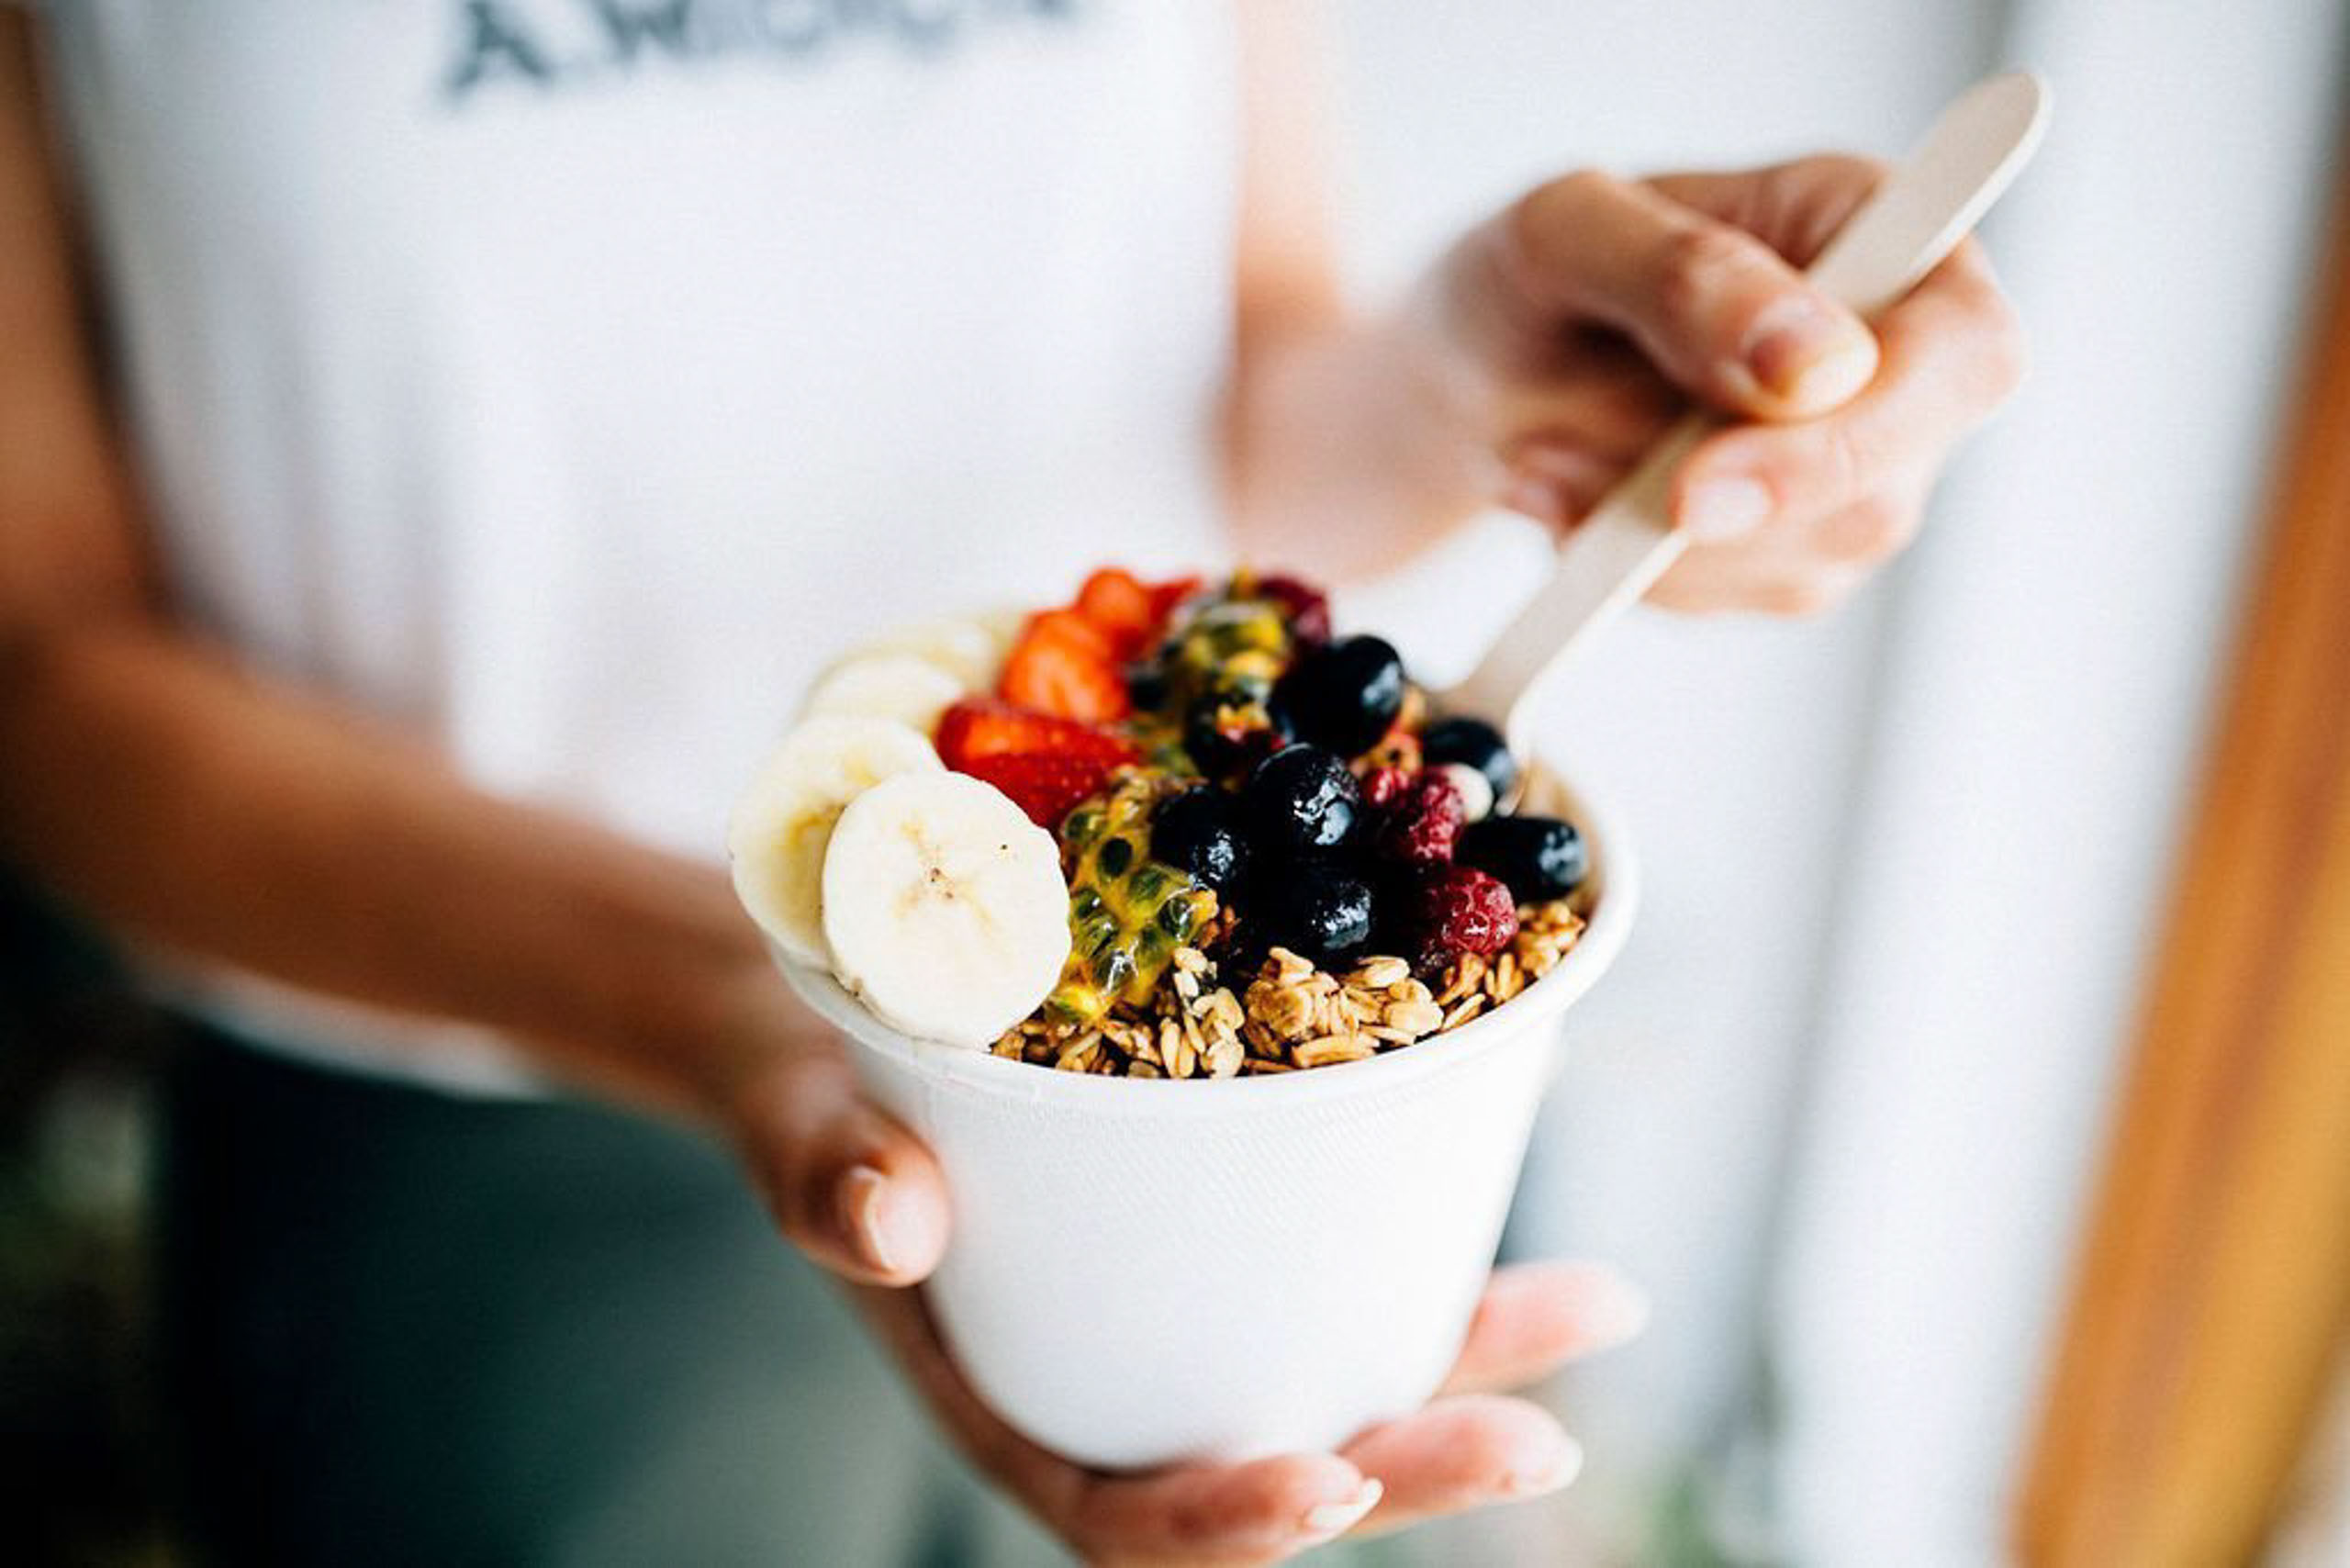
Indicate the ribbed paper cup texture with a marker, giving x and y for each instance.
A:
(1146, 1271)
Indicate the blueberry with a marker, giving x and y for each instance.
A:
(1199, 832)
(1476, 744)
(1539, 857)
(1148, 686)
(1301, 799)
(1317, 912)
(1344, 696)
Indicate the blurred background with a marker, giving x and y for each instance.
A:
(1923, 851)
(1919, 851)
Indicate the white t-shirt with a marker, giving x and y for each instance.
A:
(562, 379)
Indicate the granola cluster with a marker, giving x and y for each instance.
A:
(1291, 1015)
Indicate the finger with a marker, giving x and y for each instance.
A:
(1710, 583)
(1463, 1453)
(1720, 313)
(1795, 207)
(1537, 1316)
(1800, 568)
(1869, 531)
(1257, 1512)
(1574, 434)
(1605, 398)
(1556, 483)
(1952, 353)
(851, 1187)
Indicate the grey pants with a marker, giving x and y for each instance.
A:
(403, 1328)
(406, 1327)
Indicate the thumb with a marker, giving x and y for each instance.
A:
(1720, 313)
(849, 1186)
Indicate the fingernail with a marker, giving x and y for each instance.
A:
(1532, 498)
(1562, 1465)
(1724, 507)
(875, 1225)
(1325, 1520)
(1615, 1309)
(1809, 356)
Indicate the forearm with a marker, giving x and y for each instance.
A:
(1351, 446)
(178, 801)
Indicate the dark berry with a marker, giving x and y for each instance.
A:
(1317, 912)
(1452, 909)
(1422, 823)
(1199, 832)
(1539, 857)
(1148, 686)
(1474, 743)
(1228, 733)
(1344, 696)
(1303, 606)
(1301, 799)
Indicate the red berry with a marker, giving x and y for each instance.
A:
(1042, 784)
(1452, 909)
(1305, 606)
(1116, 600)
(1422, 823)
(1065, 664)
(1131, 611)
(986, 726)
(1383, 787)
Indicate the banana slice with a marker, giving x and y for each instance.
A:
(970, 651)
(945, 907)
(780, 826)
(912, 690)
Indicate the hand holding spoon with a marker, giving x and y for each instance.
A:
(1978, 147)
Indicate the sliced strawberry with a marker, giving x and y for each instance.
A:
(1116, 600)
(987, 726)
(1134, 613)
(1070, 628)
(1042, 784)
(1065, 666)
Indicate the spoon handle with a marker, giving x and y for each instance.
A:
(1980, 144)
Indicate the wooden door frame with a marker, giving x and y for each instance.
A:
(2214, 1285)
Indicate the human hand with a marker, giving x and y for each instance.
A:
(1467, 1448)
(1577, 324)
(862, 1197)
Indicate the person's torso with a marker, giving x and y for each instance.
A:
(563, 379)
(564, 376)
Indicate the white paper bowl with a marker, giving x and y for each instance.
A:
(1146, 1271)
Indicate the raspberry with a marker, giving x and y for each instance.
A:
(1452, 909)
(1383, 787)
(1306, 607)
(1422, 823)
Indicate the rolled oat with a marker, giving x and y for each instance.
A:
(1290, 1015)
